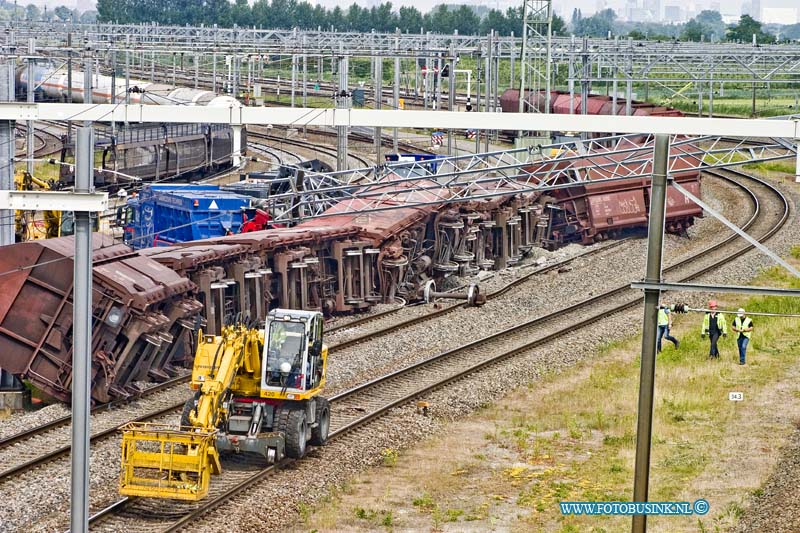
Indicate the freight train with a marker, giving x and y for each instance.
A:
(596, 104)
(148, 304)
(141, 151)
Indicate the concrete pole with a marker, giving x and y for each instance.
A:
(343, 101)
(82, 336)
(29, 132)
(174, 69)
(294, 78)
(488, 91)
(305, 79)
(396, 89)
(69, 83)
(234, 76)
(616, 73)
(711, 96)
(152, 66)
(113, 87)
(451, 98)
(478, 104)
(655, 243)
(699, 99)
(7, 149)
(425, 80)
(214, 72)
(629, 83)
(585, 73)
(378, 105)
(512, 54)
(571, 76)
(128, 71)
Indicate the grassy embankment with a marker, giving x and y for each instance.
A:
(571, 437)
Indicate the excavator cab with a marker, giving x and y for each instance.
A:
(294, 359)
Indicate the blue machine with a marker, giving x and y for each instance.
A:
(165, 214)
(430, 159)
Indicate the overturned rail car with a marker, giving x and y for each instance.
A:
(597, 210)
(141, 313)
(148, 304)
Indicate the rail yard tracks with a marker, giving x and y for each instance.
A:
(356, 407)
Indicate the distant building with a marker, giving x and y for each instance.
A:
(755, 9)
(780, 15)
(673, 14)
(654, 7)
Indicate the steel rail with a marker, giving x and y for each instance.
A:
(191, 517)
(440, 312)
(67, 419)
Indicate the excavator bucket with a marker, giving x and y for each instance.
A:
(160, 461)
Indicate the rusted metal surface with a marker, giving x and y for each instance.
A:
(137, 305)
(596, 104)
(597, 210)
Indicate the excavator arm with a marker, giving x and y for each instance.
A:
(177, 462)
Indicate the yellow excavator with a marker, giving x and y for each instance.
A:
(28, 226)
(253, 395)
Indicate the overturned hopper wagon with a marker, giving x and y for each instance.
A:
(139, 312)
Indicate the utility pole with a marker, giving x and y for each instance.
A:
(488, 87)
(378, 104)
(343, 101)
(294, 78)
(7, 148)
(655, 242)
(396, 91)
(82, 319)
(31, 91)
(69, 84)
(451, 96)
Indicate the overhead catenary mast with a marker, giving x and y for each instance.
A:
(537, 22)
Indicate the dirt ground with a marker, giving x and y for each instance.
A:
(468, 480)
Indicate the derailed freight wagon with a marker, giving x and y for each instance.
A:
(139, 308)
(597, 210)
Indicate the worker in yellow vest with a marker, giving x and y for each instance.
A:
(714, 325)
(743, 325)
(664, 325)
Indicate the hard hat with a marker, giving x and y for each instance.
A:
(740, 311)
(712, 303)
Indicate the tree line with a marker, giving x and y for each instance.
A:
(288, 14)
(706, 26)
(10, 12)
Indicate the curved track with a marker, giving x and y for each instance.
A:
(358, 406)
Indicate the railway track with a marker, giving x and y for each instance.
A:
(359, 405)
(450, 308)
(329, 152)
(395, 327)
(45, 142)
(47, 442)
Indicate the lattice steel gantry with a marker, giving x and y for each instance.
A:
(537, 21)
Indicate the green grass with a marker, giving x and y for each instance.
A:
(691, 414)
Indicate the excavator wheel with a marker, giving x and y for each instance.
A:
(292, 423)
(319, 434)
